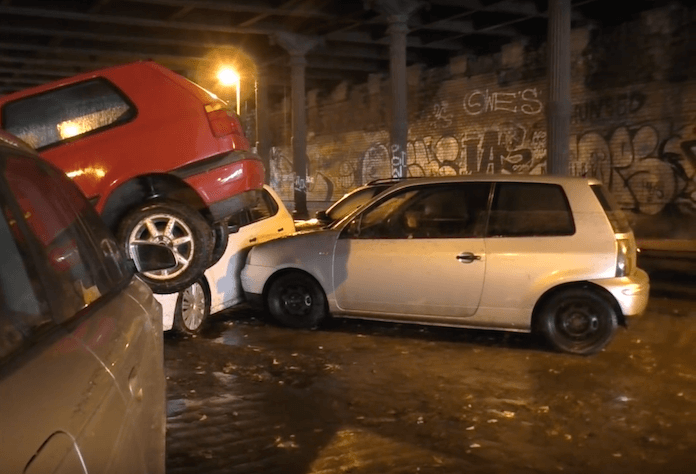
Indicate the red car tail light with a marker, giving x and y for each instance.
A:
(223, 121)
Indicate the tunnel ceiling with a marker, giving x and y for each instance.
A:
(43, 40)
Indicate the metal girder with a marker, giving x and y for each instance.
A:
(27, 80)
(347, 50)
(239, 7)
(352, 51)
(57, 62)
(182, 32)
(525, 8)
(130, 21)
(365, 38)
(133, 56)
(345, 64)
(159, 41)
(466, 28)
(514, 7)
(98, 4)
(35, 72)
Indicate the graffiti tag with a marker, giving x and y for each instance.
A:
(524, 101)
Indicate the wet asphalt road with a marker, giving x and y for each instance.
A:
(361, 397)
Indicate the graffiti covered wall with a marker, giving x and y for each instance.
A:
(485, 130)
(639, 139)
(650, 167)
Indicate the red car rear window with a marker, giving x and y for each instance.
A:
(66, 112)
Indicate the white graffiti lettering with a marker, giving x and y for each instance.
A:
(525, 101)
(441, 118)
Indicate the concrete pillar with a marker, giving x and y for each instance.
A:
(298, 63)
(263, 138)
(298, 46)
(399, 93)
(559, 107)
(397, 13)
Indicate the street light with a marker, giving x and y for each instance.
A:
(228, 77)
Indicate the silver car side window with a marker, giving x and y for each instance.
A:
(447, 212)
(530, 210)
(69, 235)
(22, 311)
(379, 220)
(426, 212)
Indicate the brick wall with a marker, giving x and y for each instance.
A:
(633, 121)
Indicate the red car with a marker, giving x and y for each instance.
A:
(161, 159)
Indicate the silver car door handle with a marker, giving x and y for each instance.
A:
(467, 257)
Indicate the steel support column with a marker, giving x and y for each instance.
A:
(298, 46)
(298, 63)
(558, 106)
(263, 142)
(399, 93)
(397, 13)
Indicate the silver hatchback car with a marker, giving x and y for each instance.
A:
(82, 387)
(515, 253)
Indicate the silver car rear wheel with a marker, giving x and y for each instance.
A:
(578, 321)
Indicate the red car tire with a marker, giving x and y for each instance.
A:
(177, 226)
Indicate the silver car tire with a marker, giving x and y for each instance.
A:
(296, 300)
(578, 321)
(192, 308)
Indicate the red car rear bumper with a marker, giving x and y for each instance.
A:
(226, 183)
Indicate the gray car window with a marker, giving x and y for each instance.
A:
(530, 209)
(81, 260)
(263, 208)
(352, 201)
(45, 119)
(617, 218)
(429, 212)
(22, 313)
(378, 221)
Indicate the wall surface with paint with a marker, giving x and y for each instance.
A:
(632, 128)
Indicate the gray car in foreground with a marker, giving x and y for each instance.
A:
(514, 253)
(82, 386)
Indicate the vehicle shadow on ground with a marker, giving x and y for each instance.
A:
(481, 337)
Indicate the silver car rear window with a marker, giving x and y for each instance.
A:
(617, 218)
(530, 210)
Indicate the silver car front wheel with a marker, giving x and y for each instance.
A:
(296, 300)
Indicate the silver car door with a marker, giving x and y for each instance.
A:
(418, 252)
(97, 378)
